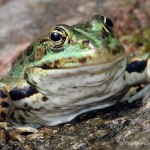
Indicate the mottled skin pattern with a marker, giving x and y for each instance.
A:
(70, 70)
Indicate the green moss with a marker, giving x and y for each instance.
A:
(140, 41)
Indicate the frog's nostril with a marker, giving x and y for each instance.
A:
(85, 42)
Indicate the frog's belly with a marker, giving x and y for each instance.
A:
(60, 114)
(65, 114)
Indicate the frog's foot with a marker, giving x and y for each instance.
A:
(131, 92)
(15, 133)
(142, 93)
(3, 136)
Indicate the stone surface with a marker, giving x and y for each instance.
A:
(123, 126)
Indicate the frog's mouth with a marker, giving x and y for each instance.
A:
(45, 72)
(74, 62)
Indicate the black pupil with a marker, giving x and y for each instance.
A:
(109, 23)
(56, 36)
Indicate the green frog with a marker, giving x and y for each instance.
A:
(69, 71)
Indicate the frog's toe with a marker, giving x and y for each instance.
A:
(2, 136)
(32, 133)
(35, 136)
(14, 135)
(17, 132)
(130, 93)
(24, 129)
(140, 94)
(8, 133)
(3, 126)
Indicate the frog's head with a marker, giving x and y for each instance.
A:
(78, 45)
(75, 59)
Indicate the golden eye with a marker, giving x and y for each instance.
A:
(58, 37)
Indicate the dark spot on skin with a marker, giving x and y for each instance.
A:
(82, 60)
(45, 66)
(38, 109)
(39, 53)
(136, 66)
(25, 105)
(56, 64)
(114, 52)
(21, 62)
(42, 40)
(25, 111)
(29, 49)
(57, 50)
(86, 42)
(74, 87)
(61, 62)
(22, 119)
(44, 99)
(92, 74)
(56, 107)
(108, 74)
(4, 104)
(117, 78)
(20, 93)
(2, 95)
(124, 78)
(34, 102)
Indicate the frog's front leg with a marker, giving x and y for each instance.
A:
(144, 92)
(6, 108)
(11, 90)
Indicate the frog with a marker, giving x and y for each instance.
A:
(69, 71)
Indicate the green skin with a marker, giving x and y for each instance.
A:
(80, 45)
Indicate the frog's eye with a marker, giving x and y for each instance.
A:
(108, 24)
(58, 37)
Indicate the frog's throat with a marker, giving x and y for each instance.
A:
(55, 81)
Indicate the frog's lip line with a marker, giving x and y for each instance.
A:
(77, 65)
